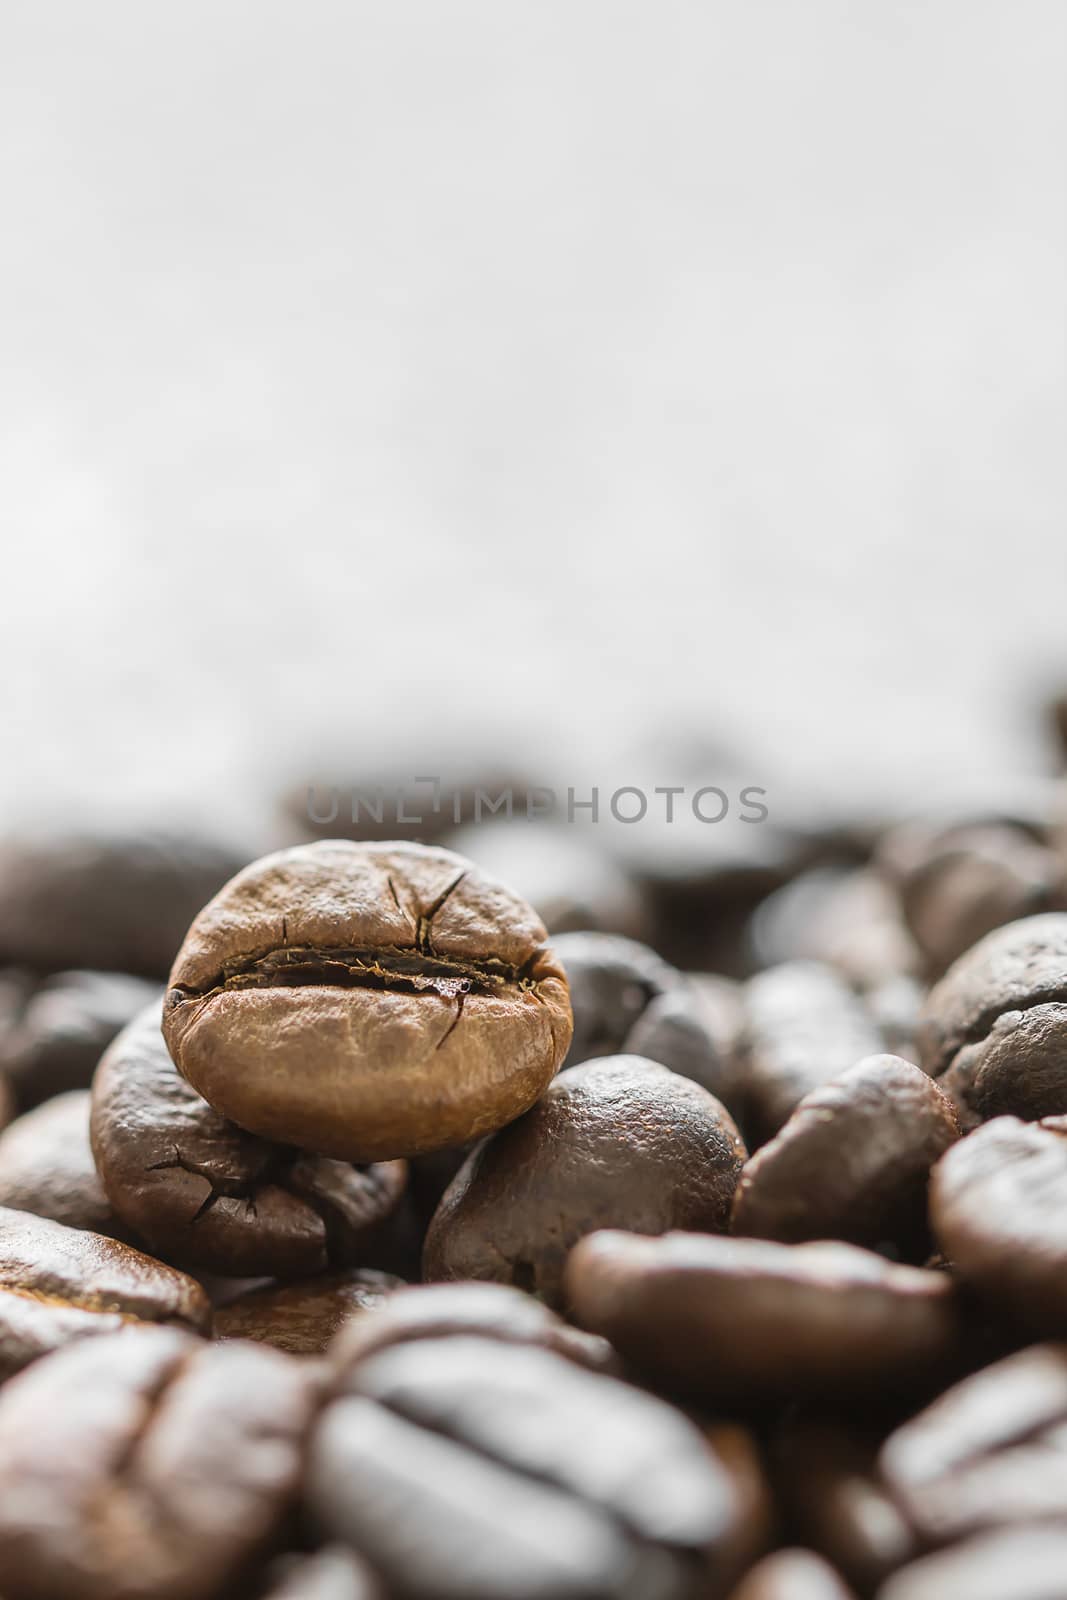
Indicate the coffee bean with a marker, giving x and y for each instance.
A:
(619, 1141)
(831, 1494)
(303, 1317)
(792, 1575)
(115, 901)
(51, 1040)
(207, 1195)
(963, 881)
(473, 1468)
(148, 1466)
(753, 1519)
(846, 917)
(995, 1028)
(486, 1310)
(330, 1574)
(59, 1284)
(990, 1451)
(1018, 1564)
(804, 1026)
(367, 1001)
(852, 1162)
(611, 981)
(745, 1321)
(996, 1206)
(47, 1167)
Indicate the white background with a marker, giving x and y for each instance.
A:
(563, 370)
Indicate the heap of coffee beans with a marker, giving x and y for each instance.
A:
(359, 1240)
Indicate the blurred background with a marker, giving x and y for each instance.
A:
(573, 381)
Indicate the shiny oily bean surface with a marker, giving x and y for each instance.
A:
(148, 1466)
(475, 1468)
(367, 1001)
(1011, 1564)
(852, 1162)
(62, 1284)
(483, 1310)
(302, 1318)
(994, 1029)
(804, 1026)
(991, 1450)
(793, 1575)
(209, 1196)
(997, 1203)
(619, 1141)
(47, 1167)
(746, 1320)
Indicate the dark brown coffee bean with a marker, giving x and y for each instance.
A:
(845, 917)
(990, 1451)
(485, 1310)
(1016, 1564)
(995, 1027)
(830, 1491)
(612, 980)
(997, 1200)
(334, 1573)
(744, 1320)
(618, 1141)
(473, 1468)
(963, 881)
(303, 1317)
(58, 1284)
(804, 1027)
(52, 1040)
(367, 1001)
(205, 1194)
(47, 1167)
(120, 902)
(792, 1575)
(570, 883)
(147, 1466)
(852, 1162)
(753, 1521)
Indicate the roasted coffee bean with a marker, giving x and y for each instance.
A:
(997, 1201)
(804, 1026)
(486, 1310)
(47, 1167)
(205, 1194)
(303, 1317)
(845, 917)
(58, 1284)
(113, 901)
(334, 1573)
(995, 1028)
(619, 1141)
(52, 1039)
(743, 1320)
(473, 1468)
(990, 1451)
(148, 1466)
(1015, 1564)
(835, 1502)
(792, 1575)
(753, 1521)
(964, 881)
(367, 1001)
(627, 1001)
(570, 883)
(852, 1162)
